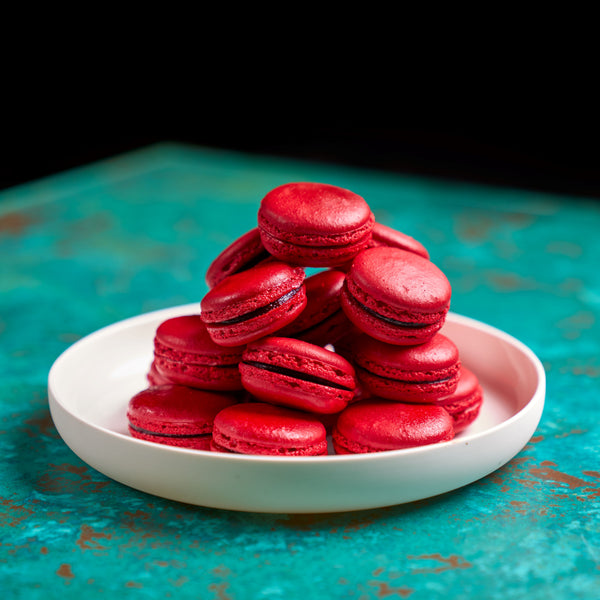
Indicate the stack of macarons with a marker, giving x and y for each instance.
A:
(279, 360)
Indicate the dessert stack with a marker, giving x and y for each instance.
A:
(319, 323)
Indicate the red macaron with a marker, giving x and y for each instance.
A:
(396, 296)
(242, 254)
(422, 373)
(184, 353)
(378, 425)
(154, 377)
(314, 224)
(266, 429)
(297, 374)
(176, 415)
(322, 321)
(254, 303)
(464, 404)
(383, 235)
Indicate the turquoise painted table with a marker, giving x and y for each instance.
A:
(83, 249)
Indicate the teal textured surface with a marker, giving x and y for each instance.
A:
(92, 246)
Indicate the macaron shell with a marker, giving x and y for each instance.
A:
(420, 373)
(184, 353)
(186, 339)
(465, 403)
(383, 235)
(266, 429)
(395, 281)
(218, 378)
(329, 331)
(258, 327)
(377, 425)
(395, 333)
(464, 416)
(322, 321)
(176, 415)
(322, 255)
(294, 373)
(306, 213)
(396, 296)
(244, 253)
(250, 290)
(249, 305)
(154, 377)
(314, 224)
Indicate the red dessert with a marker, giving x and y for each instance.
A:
(380, 425)
(266, 429)
(254, 303)
(383, 235)
(422, 373)
(465, 403)
(396, 296)
(314, 224)
(176, 415)
(184, 353)
(297, 374)
(244, 253)
(323, 321)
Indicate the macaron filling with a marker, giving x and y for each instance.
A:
(297, 374)
(395, 317)
(407, 386)
(168, 435)
(261, 310)
(391, 321)
(410, 381)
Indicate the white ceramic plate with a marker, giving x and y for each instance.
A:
(91, 382)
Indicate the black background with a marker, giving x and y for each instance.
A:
(556, 157)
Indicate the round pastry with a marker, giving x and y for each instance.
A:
(382, 235)
(253, 303)
(294, 373)
(261, 428)
(396, 296)
(465, 403)
(244, 253)
(314, 224)
(176, 415)
(184, 353)
(323, 321)
(376, 425)
(422, 373)
(154, 377)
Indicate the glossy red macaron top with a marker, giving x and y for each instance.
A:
(398, 279)
(176, 408)
(188, 334)
(377, 425)
(382, 235)
(250, 290)
(245, 252)
(301, 211)
(437, 354)
(269, 426)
